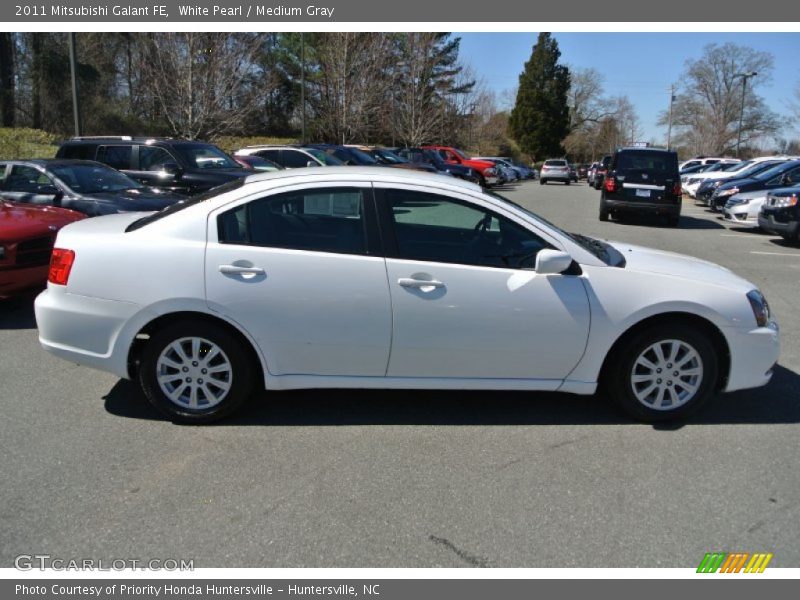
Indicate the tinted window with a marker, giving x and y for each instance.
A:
(322, 220)
(555, 163)
(435, 228)
(663, 162)
(293, 159)
(273, 155)
(324, 157)
(154, 159)
(81, 151)
(93, 178)
(118, 157)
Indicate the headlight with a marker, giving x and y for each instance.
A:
(784, 201)
(730, 192)
(760, 307)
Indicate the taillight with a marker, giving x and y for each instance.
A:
(676, 190)
(610, 184)
(60, 265)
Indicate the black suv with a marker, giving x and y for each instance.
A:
(642, 180)
(780, 214)
(184, 166)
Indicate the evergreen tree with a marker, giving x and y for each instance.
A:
(540, 118)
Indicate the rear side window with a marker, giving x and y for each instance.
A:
(320, 220)
(118, 157)
(79, 151)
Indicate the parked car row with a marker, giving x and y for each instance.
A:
(101, 175)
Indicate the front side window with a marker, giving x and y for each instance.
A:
(25, 179)
(321, 220)
(429, 227)
(152, 158)
(206, 156)
(118, 157)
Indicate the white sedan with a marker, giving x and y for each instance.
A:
(380, 278)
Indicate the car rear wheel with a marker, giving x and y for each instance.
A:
(195, 372)
(663, 372)
(603, 213)
(542, 181)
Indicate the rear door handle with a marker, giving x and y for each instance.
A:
(408, 282)
(237, 270)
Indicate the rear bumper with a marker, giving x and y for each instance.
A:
(754, 353)
(642, 207)
(84, 330)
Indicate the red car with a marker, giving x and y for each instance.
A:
(27, 234)
(453, 156)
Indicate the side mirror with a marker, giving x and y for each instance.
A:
(171, 168)
(312, 163)
(552, 262)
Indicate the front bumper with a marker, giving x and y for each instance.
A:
(14, 281)
(738, 215)
(86, 331)
(754, 353)
(767, 222)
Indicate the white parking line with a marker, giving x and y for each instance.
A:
(796, 255)
(744, 235)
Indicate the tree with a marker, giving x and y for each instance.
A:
(540, 118)
(706, 112)
(204, 83)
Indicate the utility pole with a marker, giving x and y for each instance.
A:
(73, 68)
(669, 127)
(303, 86)
(745, 77)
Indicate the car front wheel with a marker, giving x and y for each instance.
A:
(195, 372)
(663, 372)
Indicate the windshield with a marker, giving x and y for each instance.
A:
(602, 250)
(775, 171)
(206, 156)
(389, 156)
(362, 158)
(326, 159)
(757, 168)
(92, 179)
(733, 166)
(179, 206)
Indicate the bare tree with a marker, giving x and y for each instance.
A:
(202, 82)
(707, 110)
(7, 79)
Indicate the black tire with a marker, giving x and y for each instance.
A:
(482, 181)
(603, 213)
(673, 220)
(567, 182)
(617, 377)
(240, 375)
(542, 181)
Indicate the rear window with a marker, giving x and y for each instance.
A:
(80, 151)
(555, 163)
(664, 162)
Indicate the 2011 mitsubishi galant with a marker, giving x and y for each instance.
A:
(381, 278)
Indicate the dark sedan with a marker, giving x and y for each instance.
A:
(781, 175)
(429, 157)
(85, 186)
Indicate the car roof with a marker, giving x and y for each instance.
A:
(54, 162)
(379, 173)
(643, 149)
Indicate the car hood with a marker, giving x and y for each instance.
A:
(784, 191)
(740, 183)
(743, 196)
(19, 221)
(650, 260)
(137, 199)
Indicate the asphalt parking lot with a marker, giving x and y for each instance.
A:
(411, 479)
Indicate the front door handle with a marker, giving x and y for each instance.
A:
(422, 284)
(237, 270)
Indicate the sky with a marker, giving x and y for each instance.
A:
(639, 65)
